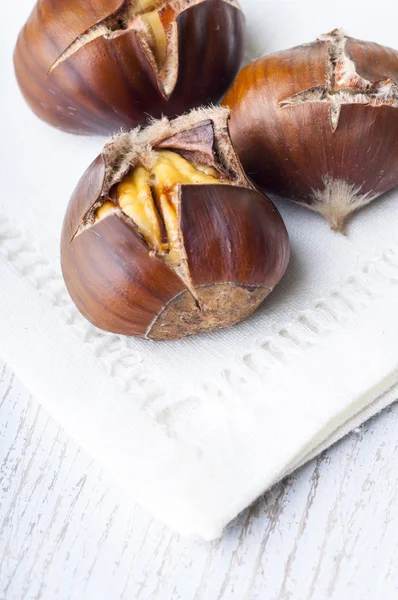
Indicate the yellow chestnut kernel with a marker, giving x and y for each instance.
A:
(136, 201)
(149, 198)
(105, 210)
(170, 219)
(172, 169)
(211, 171)
(142, 5)
(158, 34)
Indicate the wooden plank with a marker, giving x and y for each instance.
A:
(66, 532)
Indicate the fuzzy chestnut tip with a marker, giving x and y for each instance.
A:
(165, 237)
(323, 125)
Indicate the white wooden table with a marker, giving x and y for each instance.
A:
(67, 532)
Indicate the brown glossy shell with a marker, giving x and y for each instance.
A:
(293, 149)
(234, 246)
(237, 249)
(110, 83)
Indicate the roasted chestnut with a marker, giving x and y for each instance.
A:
(165, 237)
(95, 66)
(319, 123)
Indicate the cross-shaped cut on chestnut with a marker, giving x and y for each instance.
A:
(95, 66)
(165, 236)
(344, 85)
(323, 126)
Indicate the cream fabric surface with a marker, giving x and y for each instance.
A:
(196, 430)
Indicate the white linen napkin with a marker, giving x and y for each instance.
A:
(197, 429)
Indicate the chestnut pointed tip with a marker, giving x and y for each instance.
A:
(338, 200)
(336, 220)
(339, 227)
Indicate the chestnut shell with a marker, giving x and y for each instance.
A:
(318, 123)
(110, 82)
(235, 242)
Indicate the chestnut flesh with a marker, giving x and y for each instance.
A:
(165, 237)
(95, 66)
(318, 124)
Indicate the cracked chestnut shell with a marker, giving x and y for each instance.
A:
(95, 66)
(319, 123)
(165, 237)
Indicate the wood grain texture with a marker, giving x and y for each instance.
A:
(66, 532)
